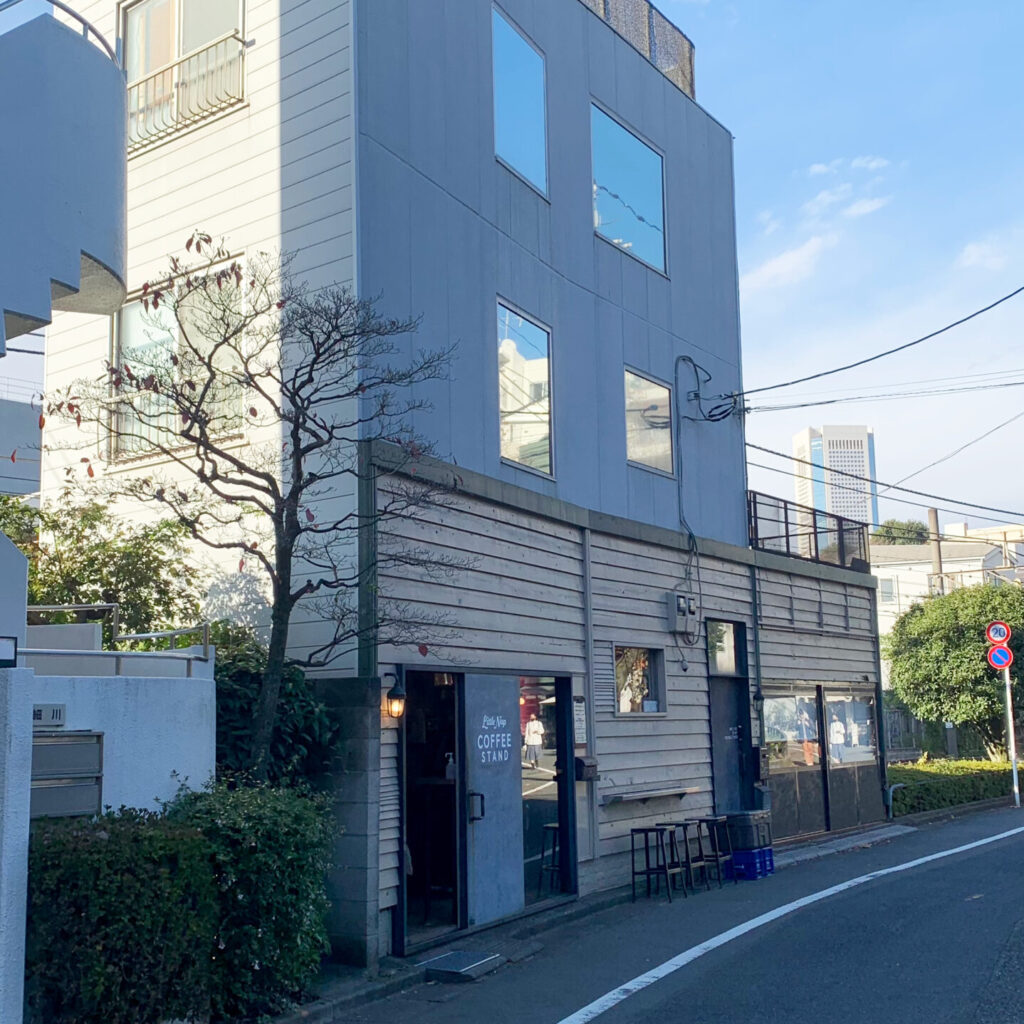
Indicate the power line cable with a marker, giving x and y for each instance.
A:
(887, 352)
(878, 483)
(886, 396)
(957, 451)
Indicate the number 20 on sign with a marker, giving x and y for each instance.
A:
(997, 632)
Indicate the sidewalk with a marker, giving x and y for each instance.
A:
(344, 988)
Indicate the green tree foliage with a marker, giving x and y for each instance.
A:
(83, 554)
(939, 670)
(901, 531)
(304, 736)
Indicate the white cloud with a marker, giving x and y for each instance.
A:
(830, 168)
(825, 198)
(862, 207)
(987, 255)
(769, 222)
(869, 163)
(789, 267)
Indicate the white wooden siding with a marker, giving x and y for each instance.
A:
(390, 813)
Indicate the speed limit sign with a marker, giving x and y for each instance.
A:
(997, 632)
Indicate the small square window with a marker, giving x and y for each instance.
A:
(639, 680)
(648, 423)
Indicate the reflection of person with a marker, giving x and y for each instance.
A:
(805, 729)
(836, 738)
(534, 740)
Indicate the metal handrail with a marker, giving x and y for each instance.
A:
(171, 65)
(87, 26)
(118, 656)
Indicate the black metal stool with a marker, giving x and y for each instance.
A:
(717, 824)
(661, 868)
(549, 860)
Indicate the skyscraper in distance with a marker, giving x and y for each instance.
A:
(849, 449)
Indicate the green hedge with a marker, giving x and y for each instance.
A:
(931, 785)
(121, 913)
(215, 909)
(271, 854)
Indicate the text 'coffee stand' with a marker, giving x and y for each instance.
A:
(1001, 657)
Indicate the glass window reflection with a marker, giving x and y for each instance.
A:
(629, 205)
(723, 659)
(850, 725)
(791, 731)
(648, 423)
(519, 108)
(524, 390)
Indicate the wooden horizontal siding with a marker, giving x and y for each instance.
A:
(390, 814)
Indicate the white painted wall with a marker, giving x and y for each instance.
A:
(157, 732)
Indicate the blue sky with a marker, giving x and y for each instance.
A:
(879, 171)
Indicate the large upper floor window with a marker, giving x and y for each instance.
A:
(520, 136)
(184, 61)
(169, 349)
(648, 423)
(629, 199)
(524, 390)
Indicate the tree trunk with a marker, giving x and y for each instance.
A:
(265, 711)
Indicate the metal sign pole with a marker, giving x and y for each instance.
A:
(1011, 735)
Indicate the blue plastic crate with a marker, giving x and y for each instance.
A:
(751, 864)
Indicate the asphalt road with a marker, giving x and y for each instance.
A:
(941, 942)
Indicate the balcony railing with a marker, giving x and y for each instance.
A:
(191, 89)
(649, 31)
(801, 532)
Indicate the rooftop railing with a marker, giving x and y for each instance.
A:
(645, 28)
(801, 532)
(88, 29)
(186, 91)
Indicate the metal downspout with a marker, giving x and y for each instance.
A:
(588, 631)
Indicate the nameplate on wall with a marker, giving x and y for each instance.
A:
(49, 716)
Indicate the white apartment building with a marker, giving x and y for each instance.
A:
(848, 449)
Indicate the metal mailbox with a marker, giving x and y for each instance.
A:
(67, 774)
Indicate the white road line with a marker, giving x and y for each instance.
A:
(617, 995)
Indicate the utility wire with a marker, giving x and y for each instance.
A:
(886, 396)
(963, 447)
(878, 483)
(887, 352)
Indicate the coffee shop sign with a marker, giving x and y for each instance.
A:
(494, 740)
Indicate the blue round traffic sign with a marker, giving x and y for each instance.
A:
(1000, 656)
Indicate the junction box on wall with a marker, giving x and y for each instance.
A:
(682, 611)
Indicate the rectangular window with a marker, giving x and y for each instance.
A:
(791, 732)
(629, 199)
(520, 134)
(648, 423)
(886, 590)
(152, 343)
(639, 680)
(524, 390)
(725, 654)
(184, 62)
(850, 728)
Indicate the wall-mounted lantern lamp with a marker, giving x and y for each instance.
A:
(395, 695)
(759, 703)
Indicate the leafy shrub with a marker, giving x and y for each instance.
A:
(934, 784)
(271, 854)
(121, 914)
(304, 736)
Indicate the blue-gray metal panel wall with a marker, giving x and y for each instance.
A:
(446, 230)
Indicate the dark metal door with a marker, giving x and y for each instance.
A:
(730, 742)
(494, 799)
